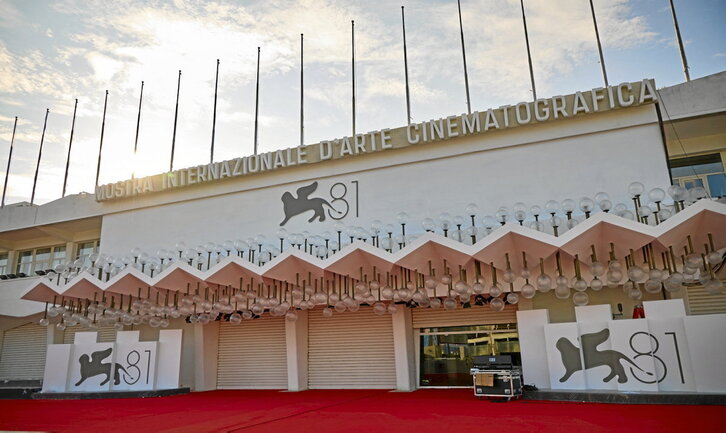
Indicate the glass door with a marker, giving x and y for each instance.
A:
(447, 354)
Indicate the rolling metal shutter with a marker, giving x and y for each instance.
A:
(23, 352)
(350, 350)
(106, 334)
(699, 301)
(476, 315)
(252, 355)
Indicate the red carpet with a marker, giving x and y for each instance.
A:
(439, 411)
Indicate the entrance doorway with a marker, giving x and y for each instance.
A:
(448, 353)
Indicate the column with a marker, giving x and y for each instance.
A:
(206, 344)
(70, 251)
(55, 335)
(296, 336)
(403, 350)
(12, 262)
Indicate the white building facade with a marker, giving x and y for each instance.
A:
(385, 260)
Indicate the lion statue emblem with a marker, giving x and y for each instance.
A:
(94, 366)
(293, 206)
(593, 357)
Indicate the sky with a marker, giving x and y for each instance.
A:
(52, 52)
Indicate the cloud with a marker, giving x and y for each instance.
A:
(116, 45)
(561, 38)
(31, 73)
(147, 38)
(105, 68)
(10, 16)
(12, 119)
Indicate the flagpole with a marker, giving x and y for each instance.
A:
(100, 145)
(70, 143)
(138, 124)
(599, 46)
(40, 153)
(463, 53)
(10, 157)
(302, 127)
(214, 113)
(176, 116)
(352, 45)
(257, 97)
(680, 43)
(405, 68)
(529, 55)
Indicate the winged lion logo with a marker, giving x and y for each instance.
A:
(594, 357)
(293, 206)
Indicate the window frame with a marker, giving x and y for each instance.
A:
(33, 263)
(690, 161)
(96, 244)
(4, 267)
(701, 177)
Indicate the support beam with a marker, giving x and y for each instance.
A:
(54, 335)
(403, 350)
(6, 245)
(64, 235)
(296, 336)
(206, 345)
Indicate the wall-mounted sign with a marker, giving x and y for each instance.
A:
(125, 365)
(337, 206)
(665, 351)
(557, 107)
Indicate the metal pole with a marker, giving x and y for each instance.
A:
(302, 128)
(176, 116)
(463, 53)
(138, 124)
(352, 50)
(214, 113)
(529, 55)
(680, 43)
(405, 68)
(257, 97)
(100, 146)
(40, 153)
(10, 157)
(599, 46)
(70, 143)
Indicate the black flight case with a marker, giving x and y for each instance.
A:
(496, 376)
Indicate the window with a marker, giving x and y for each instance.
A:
(706, 171)
(40, 259)
(85, 249)
(3, 263)
(447, 354)
(59, 257)
(25, 262)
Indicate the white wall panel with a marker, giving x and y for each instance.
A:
(610, 150)
(532, 343)
(106, 333)
(707, 345)
(593, 319)
(631, 337)
(564, 335)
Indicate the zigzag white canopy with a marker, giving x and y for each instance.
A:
(429, 250)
